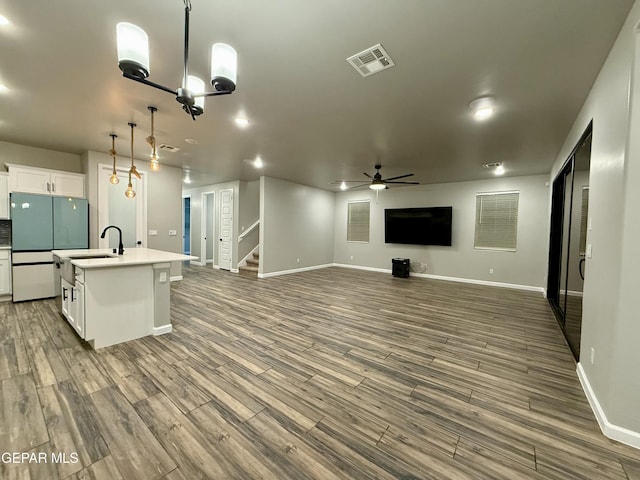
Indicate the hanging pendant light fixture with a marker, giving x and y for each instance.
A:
(114, 175)
(133, 60)
(151, 140)
(130, 192)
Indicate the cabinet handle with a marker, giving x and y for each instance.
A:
(64, 293)
(48, 187)
(72, 299)
(53, 187)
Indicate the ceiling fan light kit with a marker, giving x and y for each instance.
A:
(483, 107)
(377, 182)
(133, 60)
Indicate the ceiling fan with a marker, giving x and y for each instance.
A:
(377, 182)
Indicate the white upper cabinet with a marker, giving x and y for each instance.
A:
(45, 182)
(4, 195)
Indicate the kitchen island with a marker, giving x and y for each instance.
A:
(109, 298)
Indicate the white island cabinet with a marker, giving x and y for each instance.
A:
(110, 299)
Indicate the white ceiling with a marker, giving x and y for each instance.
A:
(314, 119)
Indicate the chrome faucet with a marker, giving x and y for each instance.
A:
(120, 246)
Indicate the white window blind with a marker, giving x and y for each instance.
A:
(584, 212)
(497, 220)
(358, 222)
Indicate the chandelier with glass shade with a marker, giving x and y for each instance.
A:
(133, 60)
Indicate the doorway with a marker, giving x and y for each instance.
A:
(186, 225)
(226, 229)
(207, 249)
(568, 242)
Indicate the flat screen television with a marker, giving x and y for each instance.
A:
(418, 226)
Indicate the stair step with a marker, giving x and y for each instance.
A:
(256, 256)
(248, 268)
(253, 262)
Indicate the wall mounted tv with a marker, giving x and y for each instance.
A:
(418, 226)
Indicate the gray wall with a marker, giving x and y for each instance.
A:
(526, 266)
(296, 222)
(610, 321)
(38, 157)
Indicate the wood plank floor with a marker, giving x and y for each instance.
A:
(328, 374)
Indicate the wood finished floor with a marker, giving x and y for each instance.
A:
(329, 374)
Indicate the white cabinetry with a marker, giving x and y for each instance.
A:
(45, 182)
(4, 195)
(5, 272)
(73, 305)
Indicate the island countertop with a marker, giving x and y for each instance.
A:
(132, 256)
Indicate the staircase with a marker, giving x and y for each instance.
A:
(251, 268)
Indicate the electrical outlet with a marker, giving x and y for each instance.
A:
(351, 257)
(593, 355)
(153, 233)
(297, 260)
(491, 271)
(172, 233)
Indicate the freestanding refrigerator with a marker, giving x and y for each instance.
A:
(41, 223)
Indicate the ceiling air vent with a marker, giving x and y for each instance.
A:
(168, 148)
(370, 61)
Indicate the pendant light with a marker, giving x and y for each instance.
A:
(133, 60)
(151, 140)
(114, 175)
(130, 192)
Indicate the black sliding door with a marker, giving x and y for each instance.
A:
(569, 213)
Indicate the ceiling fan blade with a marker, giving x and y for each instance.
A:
(338, 182)
(405, 183)
(367, 175)
(396, 178)
(359, 186)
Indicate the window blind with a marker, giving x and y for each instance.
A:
(358, 222)
(496, 220)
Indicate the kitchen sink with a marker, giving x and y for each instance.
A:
(68, 271)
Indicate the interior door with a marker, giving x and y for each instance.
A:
(115, 209)
(208, 240)
(226, 229)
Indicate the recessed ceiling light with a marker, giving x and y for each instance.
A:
(3, 88)
(483, 107)
(343, 185)
(499, 170)
(242, 122)
(4, 20)
(258, 163)
(192, 141)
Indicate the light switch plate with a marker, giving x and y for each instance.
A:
(153, 233)
(588, 252)
(172, 233)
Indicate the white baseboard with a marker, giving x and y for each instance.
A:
(614, 432)
(193, 262)
(234, 270)
(294, 270)
(360, 267)
(162, 330)
(175, 278)
(515, 286)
